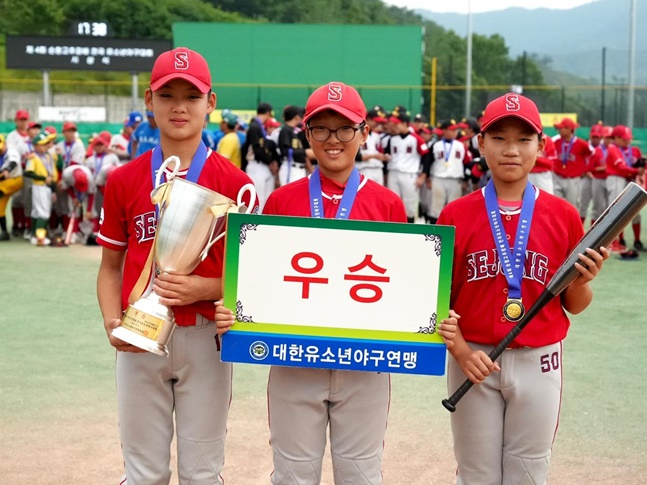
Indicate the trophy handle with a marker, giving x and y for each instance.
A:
(176, 168)
(212, 240)
(252, 197)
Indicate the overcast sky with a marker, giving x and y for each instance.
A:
(461, 6)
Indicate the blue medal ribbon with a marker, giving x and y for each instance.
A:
(566, 151)
(347, 199)
(627, 154)
(512, 263)
(98, 163)
(447, 153)
(68, 153)
(197, 163)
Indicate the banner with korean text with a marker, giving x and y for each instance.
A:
(337, 294)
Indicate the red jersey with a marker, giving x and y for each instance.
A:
(129, 221)
(548, 157)
(617, 162)
(571, 157)
(479, 287)
(372, 203)
(597, 163)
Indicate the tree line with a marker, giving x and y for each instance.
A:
(152, 19)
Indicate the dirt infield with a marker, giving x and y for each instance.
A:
(58, 423)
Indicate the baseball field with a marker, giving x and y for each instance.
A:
(58, 423)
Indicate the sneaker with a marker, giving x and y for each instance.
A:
(638, 246)
(33, 241)
(27, 235)
(614, 247)
(4, 236)
(15, 232)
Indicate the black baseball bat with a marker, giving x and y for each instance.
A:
(606, 228)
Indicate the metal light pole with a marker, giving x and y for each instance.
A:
(632, 66)
(468, 75)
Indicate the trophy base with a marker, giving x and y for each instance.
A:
(143, 343)
(147, 324)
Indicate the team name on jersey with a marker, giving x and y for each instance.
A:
(145, 225)
(486, 264)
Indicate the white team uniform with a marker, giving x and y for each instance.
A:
(372, 168)
(446, 174)
(404, 167)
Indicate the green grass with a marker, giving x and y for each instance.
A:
(56, 365)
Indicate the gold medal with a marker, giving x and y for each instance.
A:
(513, 310)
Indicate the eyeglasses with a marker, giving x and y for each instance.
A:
(343, 134)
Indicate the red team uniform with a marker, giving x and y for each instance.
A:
(570, 165)
(504, 426)
(129, 221)
(477, 270)
(373, 202)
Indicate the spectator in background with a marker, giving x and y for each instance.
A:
(77, 181)
(371, 164)
(541, 174)
(10, 181)
(409, 153)
(419, 122)
(208, 136)
(71, 151)
(145, 137)
(229, 144)
(447, 169)
(33, 129)
(100, 163)
(41, 168)
(19, 139)
(120, 144)
(293, 153)
(256, 156)
(572, 153)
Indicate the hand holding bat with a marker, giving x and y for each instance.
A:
(607, 228)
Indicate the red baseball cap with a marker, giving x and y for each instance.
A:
(103, 138)
(22, 114)
(181, 63)
(597, 130)
(339, 98)
(80, 180)
(607, 131)
(512, 105)
(566, 123)
(34, 124)
(622, 131)
(69, 125)
(272, 123)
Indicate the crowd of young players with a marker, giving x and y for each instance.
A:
(426, 166)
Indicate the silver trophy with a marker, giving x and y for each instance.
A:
(192, 219)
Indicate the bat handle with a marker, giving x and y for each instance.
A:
(450, 404)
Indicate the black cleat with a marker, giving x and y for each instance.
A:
(638, 246)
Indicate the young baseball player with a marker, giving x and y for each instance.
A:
(10, 181)
(620, 171)
(408, 154)
(191, 387)
(41, 169)
(572, 153)
(303, 402)
(505, 253)
(445, 169)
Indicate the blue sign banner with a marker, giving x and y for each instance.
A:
(334, 353)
